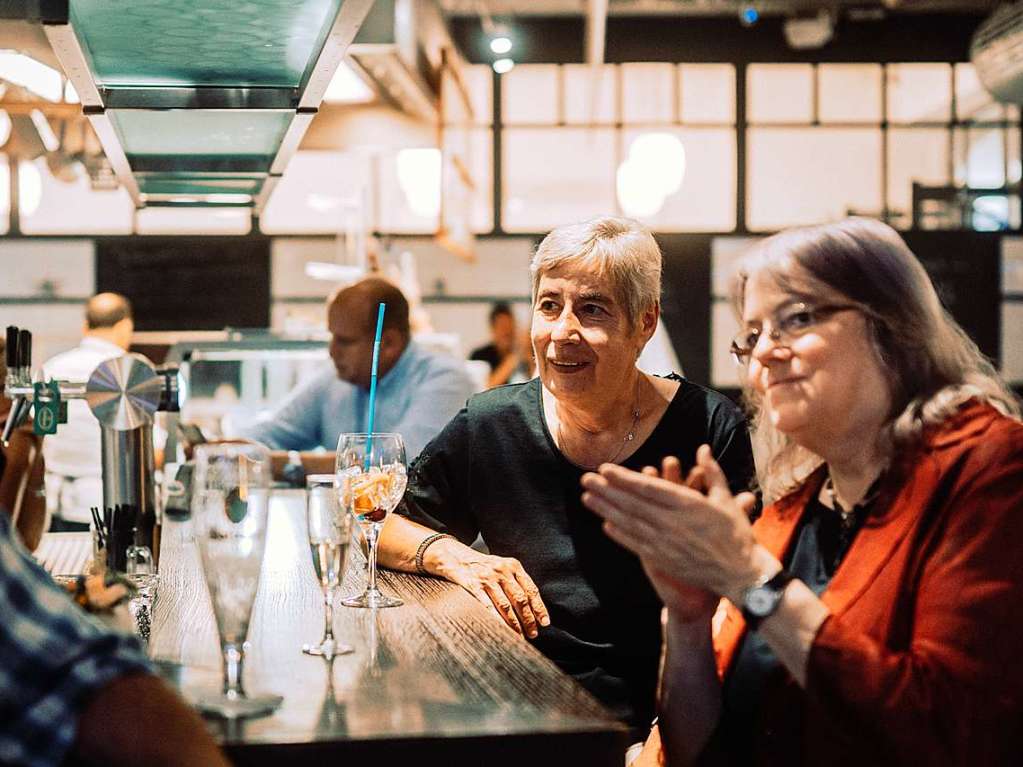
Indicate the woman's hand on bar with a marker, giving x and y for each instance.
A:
(500, 583)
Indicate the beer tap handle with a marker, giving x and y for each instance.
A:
(25, 352)
(11, 352)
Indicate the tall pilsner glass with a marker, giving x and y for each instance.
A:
(372, 479)
(232, 495)
(330, 532)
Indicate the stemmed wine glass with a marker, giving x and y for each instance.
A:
(371, 475)
(330, 532)
(232, 494)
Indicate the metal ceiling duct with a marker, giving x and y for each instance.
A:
(399, 50)
(200, 102)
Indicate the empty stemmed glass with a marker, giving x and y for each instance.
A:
(232, 494)
(372, 479)
(330, 532)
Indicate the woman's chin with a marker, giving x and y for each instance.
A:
(788, 418)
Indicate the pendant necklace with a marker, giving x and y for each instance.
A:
(629, 436)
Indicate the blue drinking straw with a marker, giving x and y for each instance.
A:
(373, 384)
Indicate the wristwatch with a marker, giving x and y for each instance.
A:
(762, 598)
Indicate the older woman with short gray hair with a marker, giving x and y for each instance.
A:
(508, 468)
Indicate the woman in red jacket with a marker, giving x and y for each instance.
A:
(872, 613)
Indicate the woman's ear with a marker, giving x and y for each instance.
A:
(648, 321)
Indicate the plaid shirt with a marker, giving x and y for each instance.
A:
(53, 658)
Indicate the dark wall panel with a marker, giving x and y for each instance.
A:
(966, 270)
(200, 283)
(685, 301)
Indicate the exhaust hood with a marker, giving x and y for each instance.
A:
(201, 102)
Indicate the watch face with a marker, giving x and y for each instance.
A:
(760, 601)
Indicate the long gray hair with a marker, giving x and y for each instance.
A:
(934, 366)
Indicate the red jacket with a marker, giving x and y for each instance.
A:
(921, 660)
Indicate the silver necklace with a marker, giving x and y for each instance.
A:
(629, 436)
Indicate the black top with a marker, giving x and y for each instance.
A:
(822, 541)
(495, 470)
(488, 354)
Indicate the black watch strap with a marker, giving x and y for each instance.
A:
(774, 587)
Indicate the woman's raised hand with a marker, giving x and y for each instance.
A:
(693, 533)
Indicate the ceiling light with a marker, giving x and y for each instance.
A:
(504, 66)
(664, 157)
(184, 200)
(5, 127)
(346, 87)
(29, 73)
(638, 197)
(501, 44)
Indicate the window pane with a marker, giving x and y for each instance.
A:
(590, 98)
(779, 93)
(320, 192)
(648, 93)
(914, 154)
(812, 175)
(51, 206)
(979, 156)
(557, 175)
(409, 194)
(706, 200)
(529, 95)
(707, 93)
(972, 101)
(919, 93)
(849, 92)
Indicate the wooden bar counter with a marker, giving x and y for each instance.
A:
(438, 680)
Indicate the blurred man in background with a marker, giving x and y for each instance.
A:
(418, 391)
(74, 480)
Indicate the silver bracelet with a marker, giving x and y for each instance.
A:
(421, 551)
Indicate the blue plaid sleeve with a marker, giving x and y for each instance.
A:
(53, 657)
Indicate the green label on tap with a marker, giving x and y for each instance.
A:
(47, 408)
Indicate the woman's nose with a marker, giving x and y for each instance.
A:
(770, 347)
(566, 327)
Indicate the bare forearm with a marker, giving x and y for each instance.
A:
(139, 720)
(690, 696)
(399, 541)
(503, 371)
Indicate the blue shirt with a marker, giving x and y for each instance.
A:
(53, 657)
(416, 399)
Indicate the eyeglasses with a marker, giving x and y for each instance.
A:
(787, 324)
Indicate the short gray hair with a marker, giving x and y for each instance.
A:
(618, 248)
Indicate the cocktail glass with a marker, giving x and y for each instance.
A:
(372, 478)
